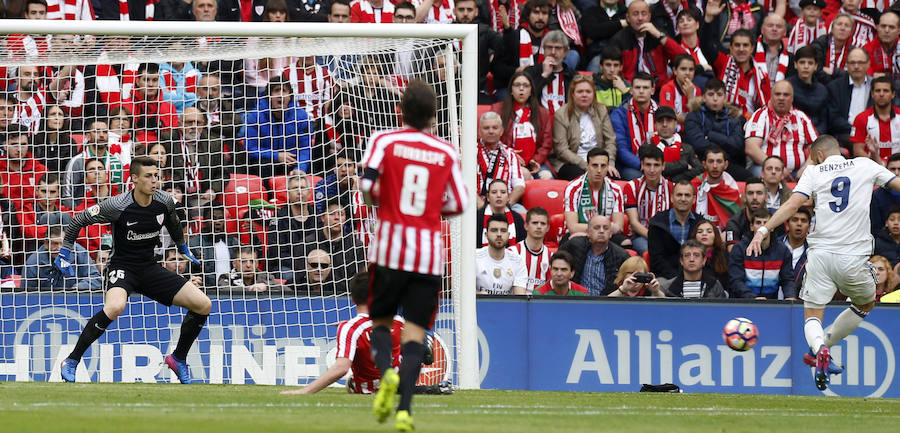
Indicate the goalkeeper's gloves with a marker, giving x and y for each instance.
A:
(186, 252)
(63, 268)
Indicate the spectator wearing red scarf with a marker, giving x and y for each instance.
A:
(779, 129)
(528, 127)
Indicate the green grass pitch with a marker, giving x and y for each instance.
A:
(94, 408)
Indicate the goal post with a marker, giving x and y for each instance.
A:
(457, 44)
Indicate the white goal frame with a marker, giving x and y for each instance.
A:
(463, 269)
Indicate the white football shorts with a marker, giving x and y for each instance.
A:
(826, 272)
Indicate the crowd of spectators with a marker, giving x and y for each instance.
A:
(625, 148)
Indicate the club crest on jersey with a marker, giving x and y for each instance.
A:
(94, 210)
(159, 218)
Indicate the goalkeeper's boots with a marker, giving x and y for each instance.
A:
(833, 368)
(384, 398)
(823, 359)
(404, 421)
(67, 369)
(180, 368)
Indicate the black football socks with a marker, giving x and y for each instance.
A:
(382, 343)
(190, 329)
(413, 352)
(91, 332)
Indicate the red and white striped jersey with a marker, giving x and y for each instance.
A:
(116, 87)
(647, 202)
(20, 46)
(312, 87)
(353, 343)
(885, 132)
(70, 10)
(361, 11)
(537, 264)
(553, 95)
(415, 178)
(169, 84)
(670, 96)
(605, 201)
(786, 136)
(30, 111)
(441, 11)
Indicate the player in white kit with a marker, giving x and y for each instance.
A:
(839, 246)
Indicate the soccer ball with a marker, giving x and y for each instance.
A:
(740, 334)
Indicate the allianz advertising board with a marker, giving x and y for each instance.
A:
(606, 345)
(265, 340)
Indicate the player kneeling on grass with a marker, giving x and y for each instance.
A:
(137, 217)
(354, 350)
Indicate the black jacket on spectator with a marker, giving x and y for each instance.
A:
(885, 246)
(168, 10)
(109, 10)
(285, 235)
(839, 106)
(540, 82)
(54, 155)
(812, 99)
(738, 226)
(883, 199)
(660, 18)
(517, 220)
(615, 255)
(704, 128)
(821, 44)
(230, 10)
(506, 61)
(597, 28)
(687, 168)
(315, 11)
(710, 287)
(664, 248)
(489, 43)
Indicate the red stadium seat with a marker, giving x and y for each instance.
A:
(483, 109)
(546, 193)
(241, 190)
(646, 257)
(586, 73)
(279, 185)
(556, 230)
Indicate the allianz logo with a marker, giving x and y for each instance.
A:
(626, 357)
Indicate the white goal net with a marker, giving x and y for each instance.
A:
(259, 138)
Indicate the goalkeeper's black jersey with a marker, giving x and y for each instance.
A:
(135, 228)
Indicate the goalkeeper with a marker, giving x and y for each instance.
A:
(136, 218)
(353, 350)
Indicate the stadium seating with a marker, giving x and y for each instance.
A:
(241, 190)
(556, 230)
(546, 193)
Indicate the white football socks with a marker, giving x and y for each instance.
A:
(845, 323)
(815, 336)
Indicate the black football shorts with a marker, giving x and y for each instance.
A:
(153, 281)
(416, 294)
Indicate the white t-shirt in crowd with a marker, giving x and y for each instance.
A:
(498, 277)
